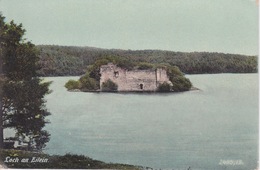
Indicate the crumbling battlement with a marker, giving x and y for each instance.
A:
(133, 80)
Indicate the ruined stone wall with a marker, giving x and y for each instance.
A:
(162, 76)
(133, 80)
(140, 80)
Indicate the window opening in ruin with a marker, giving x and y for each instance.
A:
(116, 74)
(141, 86)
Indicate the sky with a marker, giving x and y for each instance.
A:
(229, 26)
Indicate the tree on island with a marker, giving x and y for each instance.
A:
(22, 98)
(90, 81)
(109, 85)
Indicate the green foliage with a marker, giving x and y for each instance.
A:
(90, 81)
(87, 83)
(164, 87)
(109, 86)
(72, 84)
(61, 60)
(180, 83)
(125, 63)
(23, 104)
(24, 110)
(94, 69)
(145, 66)
(173, 71)
(67, 161)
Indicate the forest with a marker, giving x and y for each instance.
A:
(69, 61)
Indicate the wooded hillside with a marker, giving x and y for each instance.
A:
(68, 60)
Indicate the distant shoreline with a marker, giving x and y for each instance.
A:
(68, 60)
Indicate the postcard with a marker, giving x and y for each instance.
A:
(112, 84)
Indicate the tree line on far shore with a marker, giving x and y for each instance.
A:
(69, 60)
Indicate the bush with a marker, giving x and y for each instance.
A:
(109, 85)
(88, 83)
(119, 61)
(94, 69)
(145, 66)
(72, 84)
(173, 71)
(165, 87)
(124, 63)
(180, 83)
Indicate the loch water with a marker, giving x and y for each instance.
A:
(215, 127)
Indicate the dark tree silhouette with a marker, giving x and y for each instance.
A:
(22, 98)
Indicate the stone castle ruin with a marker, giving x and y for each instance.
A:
(133, 80)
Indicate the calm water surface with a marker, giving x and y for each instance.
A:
(194, 129)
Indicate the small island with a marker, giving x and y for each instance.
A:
(116, 74)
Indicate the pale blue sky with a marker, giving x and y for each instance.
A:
(229, 26)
